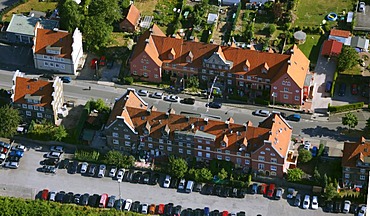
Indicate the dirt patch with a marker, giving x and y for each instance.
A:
(366, 58)
(73, 117)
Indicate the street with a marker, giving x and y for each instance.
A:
(27, 181)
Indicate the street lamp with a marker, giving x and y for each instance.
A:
(274, 95)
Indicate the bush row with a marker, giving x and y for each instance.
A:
(347, 107)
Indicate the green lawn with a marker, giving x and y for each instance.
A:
(28, 6)
(311, 13)
(356, 70)
(311, 48)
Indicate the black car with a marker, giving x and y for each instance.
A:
(93, 200)
(68, 198)
(208, 189)
(64, 164)
(50, 162)
(198, 212)
(254, 188)
(177, 211)
(59, 197)
(337, 207)
(215, 213)
(48, 169)
(13, 159)
(92, 170)
(215, 105)
(297, 200)
(76, 198)
(354, 208)
(73, 166)
(136, 177)
(174, 183)
(189, 212)
(84, 199)
(197, 187)
(241, 213)
(217, 190)
(128, 177)
(154, 179)
(145, 178)
(225, 192)
(135, 207)
(168, 210)
(241, 193)
(47, 76)
(118, 204)
(190, 101)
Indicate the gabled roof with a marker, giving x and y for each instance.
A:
(331, 48)
(57, 38)
(340, 33)
(133, 15)
(26, 25)
(40, 89)
(297, 68)
(353, 151)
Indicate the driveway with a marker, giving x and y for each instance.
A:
(324, 71)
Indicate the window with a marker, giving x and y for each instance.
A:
(127, 143)
(150, 139)
(199, 141)
(200, 154)
(262, 152)
(160, 140)
(156, 76)
(208, 148)
(42, 109)
(267, 80)
(181, 151)
(181, 144)
(115, 128)
(286, 89)
(230, 82)
(28, 113)
(169, 148)
(114, 134)
(222, 74)
(227, 151)
(199, 147)
(347, 169)
(272, 173)
(188, 152)
(208, 142)
(24, 106)
(46, 64)
(273, 168)
(161, 147)
(208, 155)
(219, 150)
(229, 75)
(134, 72)
(30, 107)
(227, 158)
(362, 177)
(223, 144)
(247, 162)
(144, 67)
(238, 160)
(145, 74)
(188, 145)
(51, 64)
(346, 176)
(116, 142)
(56, 65)
(204, 77)
(247, 154)
(261, 166)
(249, 78)
(169, 142)
(188, 138)
(241, 83)
(45, 57)
(286, 96)
(39, 115)
(362, 170)
(150, 145)
(272, 154)
(267, 149)
(239, 153)
(273, 160)
(219, 157)
(261, 158)
(36, 108)
(241, 77)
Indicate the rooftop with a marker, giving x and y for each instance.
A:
(26, 25)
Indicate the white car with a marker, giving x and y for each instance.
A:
(11, 164)
(143, 92)
(52, 196)
(182, 184)
(84, 166)
(158, 95)
(362, 211)
(307, 145)
(306, 202)
(57, 149)
(144, 208)
(167, 181)
(112, 171)
(54, 155)
(120, 174)
(315, 203)
(346, 206)
(173, 98)
(101, 171)
(128, 204)
(263, 113)
(361, 7)
(290, 194)
(2, 157)
(19, 147)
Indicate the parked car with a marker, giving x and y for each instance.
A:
(172, 98)
(158, 95)
(294, 117)
(135, 206)
(361, 7)
(307, 145)
(63, 164)
(16, 153)
(234, 192)
(297, 200)
(19, 147)
(208, 189)
(354, 208)
(315, 203)
(144, 208)
(52, 195)
(290, 193)
(59, 196)
(214, 105)
(263, 189)
(48, 169)
(84, 167)
(120, 174)
(118, 204)
(217, 190)
(143, 92)
(354, 89)
(174, 183)
(225, 192)
(127, 205)
(167, 181)
(93, 200)
(181, 185)
(177, 210)
(279, 193)
(103, 200)
(329, 206)
(136, 177)
(362, 211)
(66, 79)
(242, 192)
(73, 166)
(306, 202)
(168, 209)
(84, 199)
(54, 155)
(50, 162)
(314, 151)
(145, 178)
(189, 186)
(160, 209)
(190, 101)
(198, 187)
(101, 172)
(263, 113)
(337, 207)
(76, 198)
(328, 86)
(11, 164)
(154, 179)
(342, 89)
(111, 201)
(270, 190)
(68, 198)
(92, 170)
(206, 211)
(254, 188)
(152, 209)
(346, 206)
(57, 149)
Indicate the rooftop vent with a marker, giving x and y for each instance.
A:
(187, 118)
(192, 126)
(146, 41)
(206, 120)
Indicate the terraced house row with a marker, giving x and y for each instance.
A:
(133, 126)
(247, 71)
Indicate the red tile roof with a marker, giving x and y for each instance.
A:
(340, 33)
(354, 151)
(133, 15)
(24, 86)
(331, 48)
(45, 37)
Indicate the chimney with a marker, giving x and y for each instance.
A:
(167, 114)
(245, 126)
(288, 62)
(146, 41)
(160, 121)
(192, 126)
(206, 120)
(227, 123)
(151, 30)
(292, 51)
(148, 111)
(187, 118)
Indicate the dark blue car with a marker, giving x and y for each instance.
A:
(66, 79)
(16, 153)
(214, 105)
(314, 151)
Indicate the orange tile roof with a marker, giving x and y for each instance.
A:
(331, 47)
(299, 66)
(353, 151)
(340, 33)
(133, 15)
(24, 86)
(45, 37)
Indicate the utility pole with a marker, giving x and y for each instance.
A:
(209, 96)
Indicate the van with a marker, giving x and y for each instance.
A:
(189, 187)
(103, 200)
(328, 86)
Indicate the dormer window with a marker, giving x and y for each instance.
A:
(53, 50)
(190, 57)
(246, 66)
(172, 54)
(223, 144)
(265, 68)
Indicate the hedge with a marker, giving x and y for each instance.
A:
(262, 101)
(343, 108)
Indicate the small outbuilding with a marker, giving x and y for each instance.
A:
(212, 18)
(331, 48)
(360, 42)
(300, 37)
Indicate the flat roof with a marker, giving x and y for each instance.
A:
(26, 25)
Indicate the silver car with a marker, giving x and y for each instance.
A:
(101, 172)
(84, 166)
(158, 95)
(263, 113)
(143, 92)
(173, 98)
(52, 196)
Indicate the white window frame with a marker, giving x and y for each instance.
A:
(219, 157)
(150, 145)
(200, 154)
(188, 152)
(127, 143)
(247, 162)
(24, 106)
(261, 166)
(181, 150)
(286, 96)
(296, 98)
(169, 148)
(208, 155)
(115, 142)
(273, 168)
(161, 147)
(114, 134)
(127, 136)
(347, 175)
(39, 115)
(42, 109)
(362, 177)
(28, 113)
(227, 158)
(261, 158)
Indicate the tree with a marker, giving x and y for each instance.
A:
(128, 161)
(177, 167)
(222, 174)
(271, 29)
(304, 155)
(108, 10)
(325, 180)
(277, 10)
(70, 16)
(9, 121)
(113, 157)
(60, 133)
(125, 4)
(294, 175)
(204, 175)
(347, 59)
(316, 175)
(193, 82)
(350, 120)
(330, 192)
(97, 32)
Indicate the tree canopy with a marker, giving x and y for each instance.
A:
(177, 167)
(70, 15)
(222, 174)
(9, 121)
(350, 120)
(304, 155)
(347, 59)
(330, 192)
(116, 158)
(295, 174)
(200, 175)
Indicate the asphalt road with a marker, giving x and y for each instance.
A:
(30, 181)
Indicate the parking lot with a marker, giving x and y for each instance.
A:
(27, 176)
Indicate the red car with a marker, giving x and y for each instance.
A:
(270, 191)
(45, 194)
(94, 63)
(3, 150)
(354, 89)
(225, 213)
(160, 209)
(263, 189)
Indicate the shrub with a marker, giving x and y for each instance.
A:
(271, 29)
(89, 156)
(261, 101)
(128, 80)
(347, 107)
